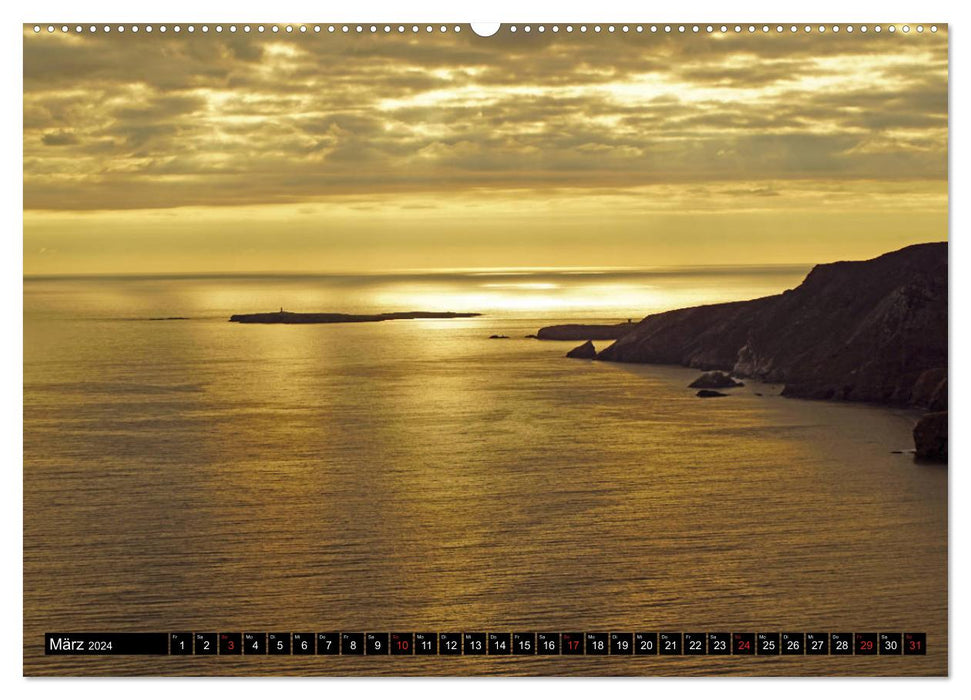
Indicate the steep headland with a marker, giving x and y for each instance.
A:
(293, 317)
(873, 330)
(856, 331)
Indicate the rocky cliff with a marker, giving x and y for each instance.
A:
(873, 330)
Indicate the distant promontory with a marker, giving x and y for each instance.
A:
(585, 331)
(292, 317)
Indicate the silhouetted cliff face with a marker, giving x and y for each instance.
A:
(858, 331)
(706, 337)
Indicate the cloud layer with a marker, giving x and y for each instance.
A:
(150, 121)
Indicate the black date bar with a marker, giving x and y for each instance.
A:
(105, 644)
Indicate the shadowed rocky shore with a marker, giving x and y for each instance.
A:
(857, 331)
(873, 330)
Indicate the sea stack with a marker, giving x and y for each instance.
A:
(930, 437)
(587, 351)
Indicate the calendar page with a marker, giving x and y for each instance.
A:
(596, 349)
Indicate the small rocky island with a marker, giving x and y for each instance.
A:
(292, 317)
(714, 380)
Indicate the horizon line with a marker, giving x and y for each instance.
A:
(442, 271)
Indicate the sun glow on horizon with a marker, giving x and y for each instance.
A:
(234, 153)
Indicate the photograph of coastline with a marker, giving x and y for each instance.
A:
(551, 330)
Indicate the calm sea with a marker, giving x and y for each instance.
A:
(418, 476)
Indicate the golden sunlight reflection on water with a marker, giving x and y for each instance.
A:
(418, 475)
(572, 293)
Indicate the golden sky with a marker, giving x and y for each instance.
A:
(319, 152)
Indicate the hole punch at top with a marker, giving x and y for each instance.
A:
(488, 29)
(485, 28)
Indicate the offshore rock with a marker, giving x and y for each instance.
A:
(714, 380)
(930, 437)
(587, 351)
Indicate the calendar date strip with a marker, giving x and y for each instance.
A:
(486, 644)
